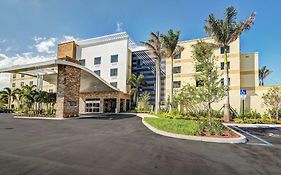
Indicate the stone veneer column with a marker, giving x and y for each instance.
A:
(68, 87)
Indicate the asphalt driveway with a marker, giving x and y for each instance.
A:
(120, 145)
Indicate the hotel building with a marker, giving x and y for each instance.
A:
(91, 75)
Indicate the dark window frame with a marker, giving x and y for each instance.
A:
(98, 72)
(112, 70)
(177, 84)
(112, 56)
(97, 62)
(178, 68)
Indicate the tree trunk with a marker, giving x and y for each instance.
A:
(158, 85)
(277, 114)
(171, 86)
(9, 102)
(226, 115)
(209, 110)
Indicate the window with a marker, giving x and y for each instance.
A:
(177, 84)
(51, 90)
(14, 75)
(82, 62)
(222, 81)
(139, 63)
(97, 72)
(114, 58)
(30, 83)
(22, 75)
(178, 56)
(176, 69)
(14, 85)
(21, 84)
(199, 83)
(114, 84)
(227, 50)
(222, 65)
(113, 72)
(97, 60)
(198, 68)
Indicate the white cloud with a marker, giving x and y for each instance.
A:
(119, 27)
(44, 45)
(3, 40)
(18, 59)
(67, 38)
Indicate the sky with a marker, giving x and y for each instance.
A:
(31, 29)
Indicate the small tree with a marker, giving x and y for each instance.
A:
(143, 103)
(263, 73)
(136, 82)
(272, 99)
(188, 99)
(209, 85)
(10, 95)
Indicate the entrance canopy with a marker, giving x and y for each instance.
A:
(89, 81)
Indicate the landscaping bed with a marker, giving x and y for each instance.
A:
(192, 127)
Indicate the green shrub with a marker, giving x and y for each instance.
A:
(218, 127)
(201, 127)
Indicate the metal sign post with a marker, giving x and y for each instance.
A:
(243, 94)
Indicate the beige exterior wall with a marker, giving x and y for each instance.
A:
(26, 80)
(243, 74)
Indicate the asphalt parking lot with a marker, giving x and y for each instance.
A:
(264, 136)
(120, 144)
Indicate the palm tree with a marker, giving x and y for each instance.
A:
(171, 49)
(263, 73)
(136, 82)
(225, 32)
(154, 45)
(10, 95)
(26, 96)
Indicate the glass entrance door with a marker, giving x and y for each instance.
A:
(92, 106)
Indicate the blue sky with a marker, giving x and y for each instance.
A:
(30, 29)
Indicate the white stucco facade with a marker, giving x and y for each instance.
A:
(88, 50)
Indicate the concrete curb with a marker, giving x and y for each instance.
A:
(39, 118)
(252, 125)
(241, 139)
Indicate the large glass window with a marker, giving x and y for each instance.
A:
(113, 72)
(227, 50)
(176, 69)
(97, 72)
(14, 85)
(222, 81)
(14, 75)
(114, 58)
(92, 105)
(178, 56)
(222, 65)
(177, 84)
(114, 84)
(97, 60)
(82, 62)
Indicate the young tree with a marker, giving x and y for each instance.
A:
(225, 32)
(272, 99)
(210, 89)
(136, 82)
(154, 45)
(144, 101)
(171, 49)
(9, 94)
(263, 73)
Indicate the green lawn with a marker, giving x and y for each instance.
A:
(187, 127)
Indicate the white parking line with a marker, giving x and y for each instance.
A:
(266, 143)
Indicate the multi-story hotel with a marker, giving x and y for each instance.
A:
(91, 75)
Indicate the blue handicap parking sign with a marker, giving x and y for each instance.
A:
(243, 92)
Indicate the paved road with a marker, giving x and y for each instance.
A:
(120, 146)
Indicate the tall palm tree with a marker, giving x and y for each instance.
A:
(263, 73)
(136, 83)
(27, 95)
(10, 95)
(225, 31)
(171, 49)
(154, 45)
